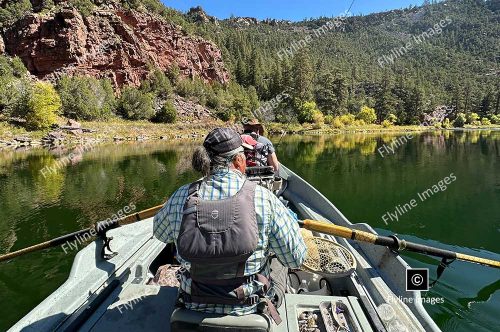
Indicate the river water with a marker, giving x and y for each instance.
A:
(44, 195)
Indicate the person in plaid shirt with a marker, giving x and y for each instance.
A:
(223, 162)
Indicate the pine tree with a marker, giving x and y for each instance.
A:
(302, 77)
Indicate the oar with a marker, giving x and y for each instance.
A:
(392, 242)
(97, 228)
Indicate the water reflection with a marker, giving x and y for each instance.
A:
(348, 169)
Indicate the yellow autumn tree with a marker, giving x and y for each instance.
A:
(43, 107)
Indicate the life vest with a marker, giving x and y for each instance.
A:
(257, 156)
(217, 238)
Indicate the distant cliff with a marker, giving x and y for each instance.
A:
(112, 42)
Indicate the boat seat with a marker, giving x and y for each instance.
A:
(184, 320)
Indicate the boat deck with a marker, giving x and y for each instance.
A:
(113, 295)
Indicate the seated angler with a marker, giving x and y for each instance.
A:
(255, 129)
(225, 229)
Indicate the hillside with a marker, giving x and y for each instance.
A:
(455, 65)
(390, 68)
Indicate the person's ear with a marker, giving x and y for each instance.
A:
(240, 163)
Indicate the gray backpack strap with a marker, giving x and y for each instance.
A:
(194, 187)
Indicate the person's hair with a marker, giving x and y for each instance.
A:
(207, 163)
(201, 161)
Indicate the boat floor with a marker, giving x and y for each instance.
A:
(135, 308)
(140, 307)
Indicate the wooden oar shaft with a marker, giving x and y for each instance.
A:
(99, 227)
(392, 243)
(44, 245)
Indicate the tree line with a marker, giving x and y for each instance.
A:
(335, 79)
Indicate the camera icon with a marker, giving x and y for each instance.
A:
(417, 279)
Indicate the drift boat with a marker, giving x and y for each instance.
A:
(116, 294)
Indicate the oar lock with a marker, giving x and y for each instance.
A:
(102, 228)
(401, 244)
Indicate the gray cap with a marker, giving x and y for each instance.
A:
(223, 141)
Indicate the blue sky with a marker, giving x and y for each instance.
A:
(295, 10)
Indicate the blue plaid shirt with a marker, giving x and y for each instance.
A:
(278, 233)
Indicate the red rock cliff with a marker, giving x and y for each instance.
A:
(116, 44)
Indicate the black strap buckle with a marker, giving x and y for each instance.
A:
(252, 300)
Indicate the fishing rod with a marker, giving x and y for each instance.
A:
(394, 243)
(97, 229)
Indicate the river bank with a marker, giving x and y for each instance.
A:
(95, 133)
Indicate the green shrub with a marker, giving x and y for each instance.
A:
(359, 123)
(158, 83)
(347, 119)
(85, 7)
(195, 88)
(224, 114)
(43, 107)
(329, 119)
(135, 104)
(11, 11)
(12, 67)
(485, 122)
(392, 118)
(173, 73)
(495, 119)
(446, 123)
(308, 112)
(14, 93)
(337, 123)
(472, 118)
(460, 120)
(386, 123)
(167, 114)
(318, 119)
(367, 114)
(86, 98)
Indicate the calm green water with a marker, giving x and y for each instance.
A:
(346, 168)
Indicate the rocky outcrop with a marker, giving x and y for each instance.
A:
(2, 45)
(198, 15)
(187, 110)
(243, 21)
(116, 44)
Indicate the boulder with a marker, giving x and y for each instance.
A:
(73, 124)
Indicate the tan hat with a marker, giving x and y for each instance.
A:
(254, 124)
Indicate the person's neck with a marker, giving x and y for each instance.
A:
(226, 170)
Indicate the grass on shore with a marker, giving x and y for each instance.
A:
(124, 129)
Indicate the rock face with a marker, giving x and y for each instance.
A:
(2, 46)
(117, 44)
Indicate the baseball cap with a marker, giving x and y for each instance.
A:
(248, 142)
(222, 141)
